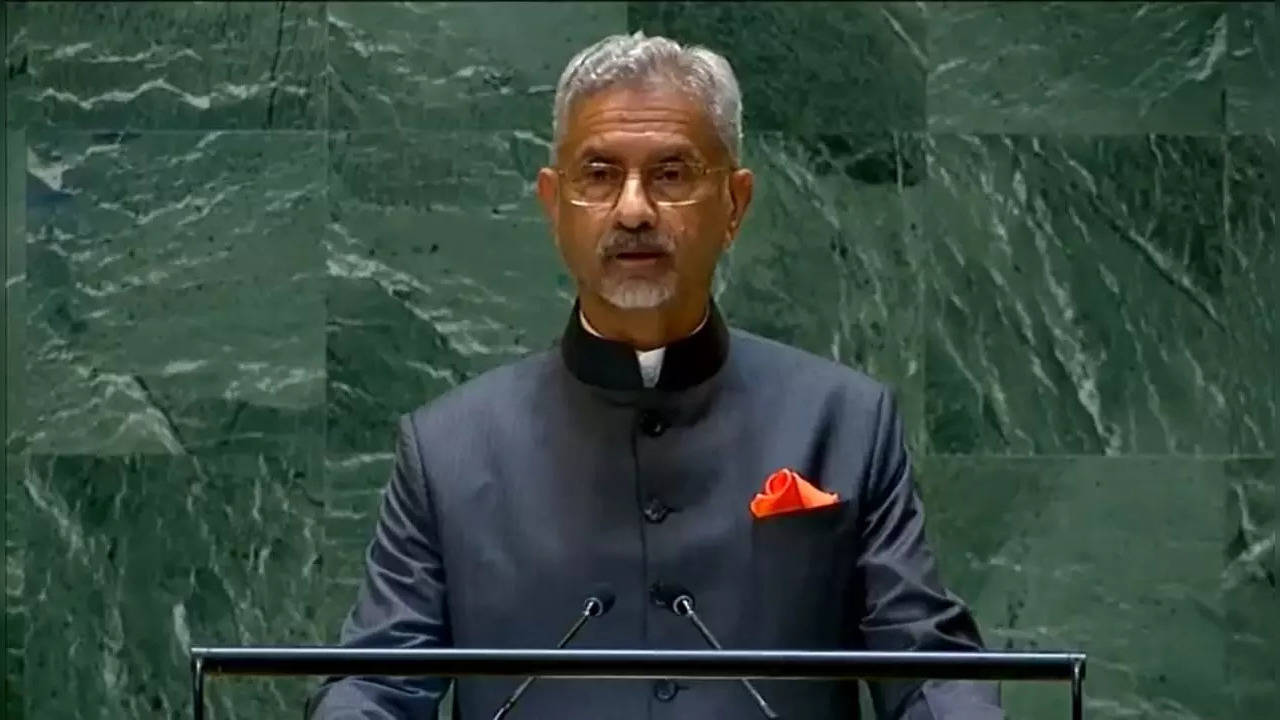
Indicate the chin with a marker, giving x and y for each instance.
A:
(638, 295)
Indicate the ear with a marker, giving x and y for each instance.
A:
(549, 198)
(741, 185)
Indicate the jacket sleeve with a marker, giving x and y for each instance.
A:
(401, 601)
(906, 607)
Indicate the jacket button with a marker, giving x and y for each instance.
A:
(665, 690)
(652, 424)
(655, 511)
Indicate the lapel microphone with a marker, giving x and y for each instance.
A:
(680, 601)
(597, 603)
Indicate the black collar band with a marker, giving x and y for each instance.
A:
(613, 365)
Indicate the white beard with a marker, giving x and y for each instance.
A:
(630, 293)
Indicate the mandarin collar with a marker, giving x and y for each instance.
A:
(613, 365)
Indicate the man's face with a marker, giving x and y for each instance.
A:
(638, 253)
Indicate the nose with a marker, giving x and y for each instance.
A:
(634, 210)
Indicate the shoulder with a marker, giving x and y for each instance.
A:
(487, 396)
(856, 415)
(761, 360)
(785, 377)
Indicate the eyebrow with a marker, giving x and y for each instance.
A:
(591, 153)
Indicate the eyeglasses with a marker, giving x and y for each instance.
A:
(673, 183)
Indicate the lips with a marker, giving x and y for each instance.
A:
(640, 255)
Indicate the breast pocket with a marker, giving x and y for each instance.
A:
(801, 565)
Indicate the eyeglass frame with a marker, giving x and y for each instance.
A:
(703, 172)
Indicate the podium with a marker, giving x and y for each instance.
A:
(638, 664)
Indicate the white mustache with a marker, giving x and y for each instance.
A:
(618, 242)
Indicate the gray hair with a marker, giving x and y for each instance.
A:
(620, 59)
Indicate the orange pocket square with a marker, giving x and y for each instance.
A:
(785, 491)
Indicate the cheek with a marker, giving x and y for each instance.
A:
(687, 231)
(578, 239)
(701, 240)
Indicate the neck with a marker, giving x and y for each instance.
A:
(648, 328)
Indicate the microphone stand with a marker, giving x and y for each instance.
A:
(594, 608)
(683, 606)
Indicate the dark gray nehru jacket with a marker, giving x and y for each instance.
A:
(517, 493)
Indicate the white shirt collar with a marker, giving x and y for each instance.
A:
(650, 360)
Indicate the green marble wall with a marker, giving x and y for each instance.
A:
(242, 237)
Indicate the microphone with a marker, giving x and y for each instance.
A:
(680, 601)
(597, 603)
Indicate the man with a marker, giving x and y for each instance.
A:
(636, 454)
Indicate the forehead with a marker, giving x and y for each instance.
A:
(638, 124)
